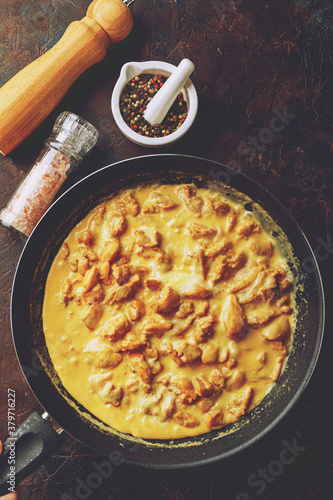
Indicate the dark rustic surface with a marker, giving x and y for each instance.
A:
(252, 61)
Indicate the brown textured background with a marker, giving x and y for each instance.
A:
(250, 59)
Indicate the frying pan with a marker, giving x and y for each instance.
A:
(37, 438)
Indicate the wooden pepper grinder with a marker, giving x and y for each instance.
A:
(30, 96)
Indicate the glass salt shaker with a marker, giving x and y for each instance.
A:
(72, 138)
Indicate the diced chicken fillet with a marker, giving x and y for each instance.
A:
(205, 404)
(260, 362)
(217, 377)
(91, 315)
(197, 291)
(202, 308)
(219, 207)
(214, 419)
(123, 292)
(64, 252)
(106, 390)
(185, 419)
(278, 329)
(216, 248)
(158, 201)
(110, 251)
(242, 403)
(130, 342)
(206, 323)
(126, 204)
(184, 352)
(152, 327)
(268, 311)
(94, 295)
(168, 407)
(88, 253)
(136, 309)
(185, 390)
(236, 380)
(185, 309)
(167, 302)
(246, 275)
(82, 265)
(246, 226)
(224, 355)
(117, 225)
(260, 245)
(182, 325)
(66, 290)
(199, 230)
(104, 270)
(101, 354)
(137, 363)
(278, 368)
(115, 396)
(202, 386)
(90, 279)
(233, 318)
(122, 273)
(210, 353)
(192, 202)
(86, 238)
(218, 269)
(260, 288)
(200, 260)
(153, 284)
(115, 328)
(231, 220)
(149, 238)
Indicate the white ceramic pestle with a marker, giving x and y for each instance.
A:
(165, 97)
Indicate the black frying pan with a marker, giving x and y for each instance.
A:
(37, 439)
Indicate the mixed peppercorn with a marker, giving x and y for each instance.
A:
(134, 99)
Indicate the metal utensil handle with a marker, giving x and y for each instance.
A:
(26, 449)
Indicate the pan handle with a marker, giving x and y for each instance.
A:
(26, 449)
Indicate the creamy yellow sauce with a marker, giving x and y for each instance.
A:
(167, 311)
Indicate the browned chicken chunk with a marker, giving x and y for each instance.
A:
(214, 419)
(91, 315)
(110, 251)
(185, 419)
(148, 238)
(127, 205)
(233, 318)
(138, 364)
(136, 309)
(198, 230)
(202, 386)
(167, 302)
(117, 225)
(278, 329)
(197, 292)
(115, 328)
(185, 390)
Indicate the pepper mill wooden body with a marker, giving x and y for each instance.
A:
(29, 97)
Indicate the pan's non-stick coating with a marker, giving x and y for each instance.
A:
(26, 316)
